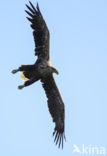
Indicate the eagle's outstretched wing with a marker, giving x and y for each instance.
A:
(55, 102)
(40, 33)
(56, 108)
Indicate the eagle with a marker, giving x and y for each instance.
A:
(42, 70)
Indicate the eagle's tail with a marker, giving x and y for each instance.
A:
(23, 76)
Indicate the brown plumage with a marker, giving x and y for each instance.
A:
(43, 71)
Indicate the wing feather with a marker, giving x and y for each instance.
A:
(56, 108)
(40, 31)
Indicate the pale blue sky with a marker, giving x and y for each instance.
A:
(78, 48)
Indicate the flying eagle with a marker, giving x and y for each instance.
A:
(43, 71)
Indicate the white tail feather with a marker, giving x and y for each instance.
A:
(23, 76)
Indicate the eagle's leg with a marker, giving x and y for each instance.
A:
(28, 83)
(15, 71)
(23, 68)
(26, 67)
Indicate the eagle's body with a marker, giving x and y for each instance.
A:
(37, 70)
(43, 71)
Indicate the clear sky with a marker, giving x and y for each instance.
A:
(78, 48)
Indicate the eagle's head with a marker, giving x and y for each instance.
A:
(54, 70)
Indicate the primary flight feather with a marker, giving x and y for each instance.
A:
(43, 71)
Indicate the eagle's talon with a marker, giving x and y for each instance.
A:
(21, 87)
(15, 71)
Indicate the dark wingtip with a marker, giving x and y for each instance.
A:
(32, 6)
(29, 19)
(59, 138)
(30, 3)
(32, 11)
(37, 6)
(29, 13)
(64, 137)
